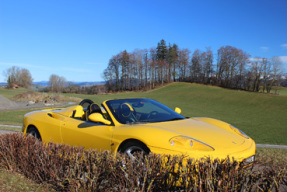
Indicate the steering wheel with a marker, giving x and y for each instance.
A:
(127, 113)
(153, 113)
(86, 102)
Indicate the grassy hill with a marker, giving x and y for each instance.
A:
(261, 116)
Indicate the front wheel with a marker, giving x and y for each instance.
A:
(34, 132)
(133, 148)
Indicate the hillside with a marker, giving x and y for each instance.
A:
(262, 116)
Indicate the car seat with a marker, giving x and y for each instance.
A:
(93, 108)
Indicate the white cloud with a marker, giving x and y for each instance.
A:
(258, 59)
(264, 48)
(24, 65)
(283, 59)
(284, 46)
(254, 59)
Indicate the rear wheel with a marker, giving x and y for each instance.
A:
(34, 132)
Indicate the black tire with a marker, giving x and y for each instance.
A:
(132, 148)
(86, 102)
(34, 132)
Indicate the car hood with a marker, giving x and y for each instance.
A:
(202, 131)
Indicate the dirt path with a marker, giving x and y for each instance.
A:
(12, 126)
(271, 146)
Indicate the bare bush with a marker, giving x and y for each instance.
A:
(18, 76)
(68, 168)
(44, 98)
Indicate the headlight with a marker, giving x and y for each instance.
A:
(239, 132)
(189, 144)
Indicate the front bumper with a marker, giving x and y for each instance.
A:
(244, 154)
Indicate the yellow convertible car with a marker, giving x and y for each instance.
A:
(139, 125)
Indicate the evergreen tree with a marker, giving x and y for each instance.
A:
(161, 50)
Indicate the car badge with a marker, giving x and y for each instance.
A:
(234, 142)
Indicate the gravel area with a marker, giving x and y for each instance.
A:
(7, 104)
(271, 146)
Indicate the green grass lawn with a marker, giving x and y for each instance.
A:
(13, 117)
(261, 116)
(9, 93)
(283, 91)
(5, 128)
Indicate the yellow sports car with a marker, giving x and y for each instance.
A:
(139, 125)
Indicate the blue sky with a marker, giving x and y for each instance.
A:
(76, 38)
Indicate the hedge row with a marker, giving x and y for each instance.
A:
(68, 168)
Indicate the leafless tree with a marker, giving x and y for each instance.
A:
(57, 83)
(276, 65)
(256, 73)
(266, 73)
(25, 79)
(207, 65)
(230, 65)
(183, 61)
(196, 66)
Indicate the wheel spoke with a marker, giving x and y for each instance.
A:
(133, 149)
(129, 153)
(34, 133)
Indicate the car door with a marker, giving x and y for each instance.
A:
(88, 134)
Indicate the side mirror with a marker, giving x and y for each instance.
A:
(97, 117)
(178, 110)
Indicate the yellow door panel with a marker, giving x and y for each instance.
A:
(87, 134)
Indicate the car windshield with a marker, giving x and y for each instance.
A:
(132, 111)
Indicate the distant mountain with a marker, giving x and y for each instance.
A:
(41, 83)
(86, 84)
(3, 84)
(81, 84)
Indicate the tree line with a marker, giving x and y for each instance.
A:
(59, 84)
(145, 69)
(21, 77)
(148, 68)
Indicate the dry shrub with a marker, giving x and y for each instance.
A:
(30, 96)
(44, 97)
(68, 168)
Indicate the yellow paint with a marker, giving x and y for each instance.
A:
(194, 137)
